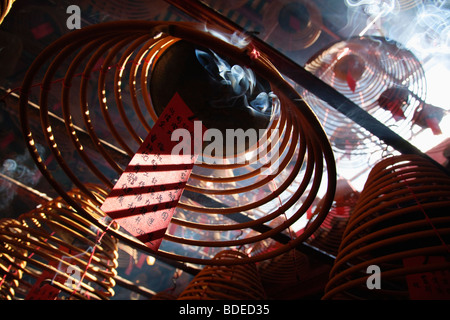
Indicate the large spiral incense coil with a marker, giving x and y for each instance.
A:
(380, 76)
(220, 282)
(102, 76)
(294, 25)
(53, 245)
(5, 7)
(400, 224)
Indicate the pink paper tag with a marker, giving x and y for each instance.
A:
(42, 288)
(145, 197)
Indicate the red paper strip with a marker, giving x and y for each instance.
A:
(350, 81)
(42, 288)
(428, 285)
(42, 292)
(145, 197)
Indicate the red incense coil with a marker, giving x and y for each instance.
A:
(329, 235)
(219, 282)
(286, 269)
(50, 245)
(401, 216)
(100, 75)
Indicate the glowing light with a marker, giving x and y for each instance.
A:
(150, 260)
(255, 54)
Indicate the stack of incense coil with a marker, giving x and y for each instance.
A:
(52, 252)
(399, 227)
(221, 282)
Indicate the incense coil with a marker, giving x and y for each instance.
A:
(10, 267)
(286, 269)
(381, 77)
(163, 295)
(100, 76)
(292, 25)
(329, 235)
(239, 282)
(53, 244)
(400, 215)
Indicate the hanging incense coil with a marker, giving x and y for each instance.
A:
(102, 77)
(53, 245)
(286, 269)
(379, 75)
(5, 7)
(10, 268)
(220, 282)
(163, 295)
(400, 218)
(329, 235)
(292, 25)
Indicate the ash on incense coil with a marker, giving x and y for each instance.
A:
(400, 224)
(380, 76)
(102, 77)
(220, 282)
(53, 245)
